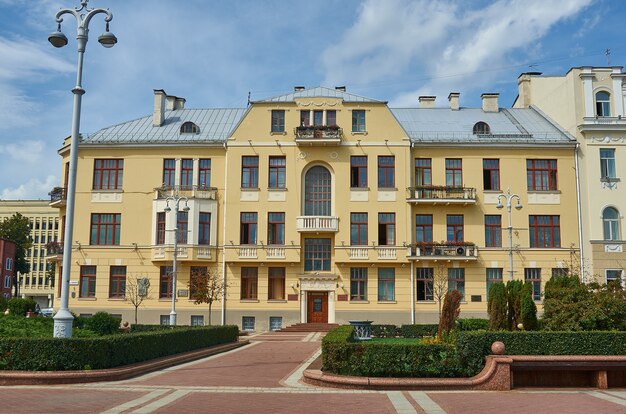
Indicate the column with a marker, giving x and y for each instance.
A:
(302, 306)
(331, 306)
(587, 79)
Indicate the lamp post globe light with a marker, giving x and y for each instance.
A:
(509, 198)
(83, 14)
(176, 201)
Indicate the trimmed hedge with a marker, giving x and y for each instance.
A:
(419, 331)
(474, 346)
(342, 355)
(385, 331)
(472, 324)
(53, 354)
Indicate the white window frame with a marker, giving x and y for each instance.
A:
(607, 165)
(7, 281)
(621, 275)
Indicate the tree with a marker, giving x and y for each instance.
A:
(513, 293)
(528, 309)
(17, 229)
(206, 286)
(497, 307)
(451, 311)
(440, 285)
(137, 290)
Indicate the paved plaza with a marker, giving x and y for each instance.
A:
(264, 377)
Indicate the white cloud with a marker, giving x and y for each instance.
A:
(28, 151)
(33, 189)
(24, 58)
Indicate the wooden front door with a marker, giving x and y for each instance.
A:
(317, 307)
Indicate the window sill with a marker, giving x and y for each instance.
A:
(113, 190)
(387, 302)
(544, 191)
(610, 179)
(249, 301)
(87, 299)
(166, 299)
(276, 301)
(430, 302)
(250, 189)
(492, 191)
(387, 189)
(359, 133)
(276, 188)
(360, 302)
(116, 299)
(359, 189)
(278, 132)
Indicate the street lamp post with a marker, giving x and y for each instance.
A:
(509, 198)
(176, 200)
(63, 318)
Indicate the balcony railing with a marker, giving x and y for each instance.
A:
(434, 251)
(54, 251)
(317, 224)
(58, 196)
(321, 134)
(185, 252)
(247, 252)
(275, 252)
(190, 191)
(442, 194)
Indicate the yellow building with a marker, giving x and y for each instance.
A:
(44, 228)
(320, 206)
(589, 102)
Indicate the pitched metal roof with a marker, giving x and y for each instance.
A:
(215, 125)
(319, 92)
(442, 125)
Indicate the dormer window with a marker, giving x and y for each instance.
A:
(481, 128)
(189, 128)
(603, 104)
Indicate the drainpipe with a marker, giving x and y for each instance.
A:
(580, 219)
(412, 294)
(224, 237)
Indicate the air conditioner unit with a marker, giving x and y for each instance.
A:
(460, 251)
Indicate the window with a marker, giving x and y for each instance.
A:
(316, 255)
(117, 282)
(204, 170)
(186, 173)
(182, 225)
(197, 320)
(386, 229)
(425, 280)
(196, 276)
(541, 175)
(494, 275)
(560, 272)
(455, 228)
(491, 174)
(532, 275)
(614, 275)
(160, 228)
(481, 128)
(305, 118)
(423, 228)
(386, 284)
(189, 128)
(358, 229)
(249, 283)
(317, 192)
(423, 172)
(603, 104)
(544, 231)
(456, 280)
(108, 174)
(454, 172)
(358, 171)
(247, 229)
(247, 323)
(7, 282)
(204, 229)
(358, 283)
(8, 264)
(276, 283)
(87, 281)
(386, 171)
(249, 172)
(358, 120)
(278, 120)
(165, 282)
(169, 172)
(164, 319)
(277, 172)
(318, 118)
(276, 228)
(331, 118)
(607, 163)
(105, 229)
(493, 231)
(610, 222)
(276, 323)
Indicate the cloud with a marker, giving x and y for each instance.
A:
(24, 151)
(33, 189)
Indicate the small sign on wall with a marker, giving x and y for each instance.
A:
(183, 293)
(73, 282)
(292, 297)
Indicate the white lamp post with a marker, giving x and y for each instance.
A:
(176, 200)
(509, 197)
(63, 318)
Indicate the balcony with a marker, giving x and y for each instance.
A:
(318, 224)
(346, 254)
(237, 253)
(441, 195)
(165, 253)
(189, 191)
(600, 123)
(54, 252)
(443, 251)
(58, 197)
(318, 135)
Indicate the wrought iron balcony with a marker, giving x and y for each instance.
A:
(318, 135)
(189, 191)
(441, 195)
(317, 224)
(54, 251)
(449, 251)
(58, 197)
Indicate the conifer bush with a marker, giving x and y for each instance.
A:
(449, 313)
(497, 307)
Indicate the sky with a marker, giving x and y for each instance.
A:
(214, 53)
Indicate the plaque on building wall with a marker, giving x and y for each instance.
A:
(342, 298)
(292, 297)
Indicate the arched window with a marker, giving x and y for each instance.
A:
(610, 221)
(603, 104)
(189, 128)
(481, 128)
(317, 192)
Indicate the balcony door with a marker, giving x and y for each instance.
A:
(317, 192)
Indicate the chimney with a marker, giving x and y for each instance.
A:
(427, 101)
(170, 104)
(453, 98)
(490, 102)
(180, 103)
(340, 88)
(298, 88)
(523, 89)
(159, 107)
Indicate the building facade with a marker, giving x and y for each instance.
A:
(7, 263)
(589, 103)
(38, 284)
(320, 206)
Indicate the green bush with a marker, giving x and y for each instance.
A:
(20, 327)
(48, 354)
(418, 331)
(19, 306)
(385, 331)
(497, 307)
(103, 323)
(472, 324)
(513, 295)
(3, 304)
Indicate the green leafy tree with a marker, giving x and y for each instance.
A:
(497, 307)
(206, 286)
(17, 229)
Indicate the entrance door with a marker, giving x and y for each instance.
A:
(317, 307)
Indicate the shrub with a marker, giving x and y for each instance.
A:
(384, 331)
(19, 306)
(20, 327)
(472, 324)
(497, 307)
(528, 309)
(418, 331)
(103, 323)
(3, 304)
(449, 313)
(513, 295)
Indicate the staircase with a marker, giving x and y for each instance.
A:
(310, 327)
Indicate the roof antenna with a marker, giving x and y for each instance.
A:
(607, 53)
(248, 98)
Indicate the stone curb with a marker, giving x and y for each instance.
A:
(111, 374)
